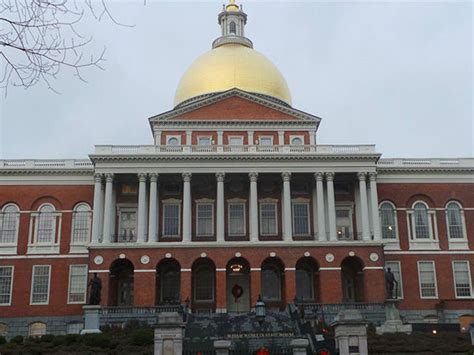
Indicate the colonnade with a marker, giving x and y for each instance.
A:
(148, 207)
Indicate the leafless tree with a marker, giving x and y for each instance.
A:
(38, 38)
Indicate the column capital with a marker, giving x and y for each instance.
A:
(373, 176)
(109, 177)
(98, 177)
(253, 176)
(141, 177)
(153, 177)
(330, 176)
(187, 177)
(318, 176)
(362, 176)
(220, 177)
(286, 176)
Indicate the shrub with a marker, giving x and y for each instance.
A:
(47, 338)
(17, 340)
(96, 340)
(143, 336)
(2, 340)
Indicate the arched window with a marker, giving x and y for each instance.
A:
(388, 221)
(46, 224)
(81, 224)
(168, 281)
(296, 141)
(173, 141)
(204, 283)
(454, 221)
(36, 329)
(305, 277)
(3, 330)
(422, 222)
(232, 27)
(9, 220)
(272, 270)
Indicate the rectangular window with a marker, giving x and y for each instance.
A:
(267, 140)
(268, 218)
(8, 226)
(397, 273)
(40, 284)
(301, 218)
(46, 227)
(236, 219)
(462, 279)
(6, 285)
(344, 223)
(427, 279)
(236, 140)
(171, 213)
(128, 225)
(81, 227)
(204, 141)
(205, 219)
(77, 283)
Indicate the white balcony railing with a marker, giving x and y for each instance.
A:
(46, 164)
(231, 149)
(427, 163)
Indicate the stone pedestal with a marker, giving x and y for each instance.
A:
(222, 347)
(169, 334)
(350, 331)
(91, 320)
(299, 346)
(393, 323)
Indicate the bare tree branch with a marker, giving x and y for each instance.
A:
(40, 37)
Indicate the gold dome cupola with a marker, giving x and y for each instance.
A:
(232, 20)
(232, 63)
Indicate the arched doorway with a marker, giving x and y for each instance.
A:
(168, 282)
(238, 285)
(204, 285)
(352, 280)
(273, 283)
(307, 280)
(121, 283)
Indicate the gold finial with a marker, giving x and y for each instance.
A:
(232, 6)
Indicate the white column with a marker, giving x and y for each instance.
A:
(250, 138)
(320, 203)
(281, 138)
(331, 207)
(97, 208)
(108, 212)
(220, 208)
(141, 227)
(220, 138)
(187, 236)
(189, 136)
(364, 210)
(287, 232)
(253, 209)
(153, 209)
(374, 201)
(157, 137)
(315, 211)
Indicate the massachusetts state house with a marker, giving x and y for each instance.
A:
(235, 199)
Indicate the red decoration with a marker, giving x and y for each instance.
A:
(237, 291)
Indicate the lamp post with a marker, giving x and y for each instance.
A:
(260, 310)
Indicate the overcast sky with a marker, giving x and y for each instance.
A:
(396, 74)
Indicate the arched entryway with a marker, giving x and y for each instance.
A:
(273, 283)
(121, 283)
(307, 280)
(204, 285)
(238, 285)
(352, 276)
(168, 282)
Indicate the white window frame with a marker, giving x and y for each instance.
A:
(456, 243)
(389, 264)
(350, 208)
(300, 201)
(435, 279)
(10, 248)
(11, 284)
(202, 202)
(242, 203)
(269, 202)
(471, 296)
(169, 137)
(166, 203)
(208, 137)
(294, 137)
(30, 333)
(70, 284)
(35, 247)
(265, 137)
(240, 138)
(431, 243)
(390, 244)
(32, 283)
(77, 247)
(126, 209)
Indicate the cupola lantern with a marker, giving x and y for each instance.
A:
(232, 20)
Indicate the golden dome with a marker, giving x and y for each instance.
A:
(232, 66)
(232, 6)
